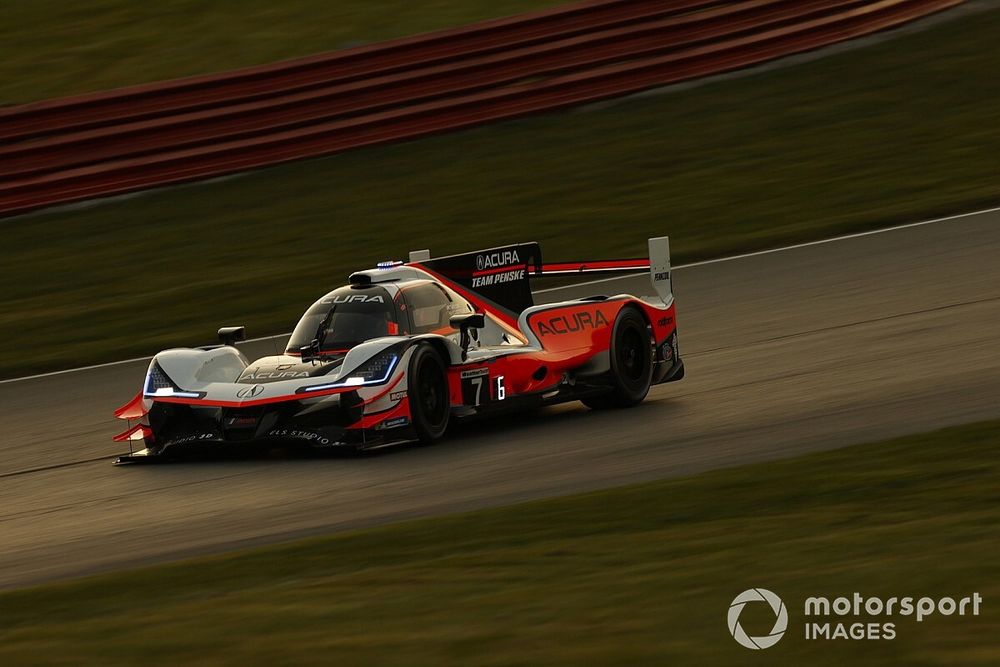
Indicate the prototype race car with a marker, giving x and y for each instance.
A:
(404, 349)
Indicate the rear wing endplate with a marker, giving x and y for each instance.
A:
(659, 268)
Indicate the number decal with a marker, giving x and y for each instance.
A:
(475, 387)
(478, 388)
(477, 384)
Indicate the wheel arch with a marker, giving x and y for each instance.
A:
(450, 353)
(637, 305)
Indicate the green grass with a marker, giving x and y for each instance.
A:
(894, 132)
(51, 48)
(639, 575)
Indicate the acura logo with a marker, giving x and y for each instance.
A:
(250, 392)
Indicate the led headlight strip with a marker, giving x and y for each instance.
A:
(159, 385)
(360, 376)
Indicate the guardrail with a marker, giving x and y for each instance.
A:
(61, 151)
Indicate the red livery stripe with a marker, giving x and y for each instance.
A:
(596, 266)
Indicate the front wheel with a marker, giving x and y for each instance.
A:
(430, 403)
(631, 363)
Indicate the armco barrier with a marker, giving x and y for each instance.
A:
(595, 64)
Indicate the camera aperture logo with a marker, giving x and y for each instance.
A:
(780, 618)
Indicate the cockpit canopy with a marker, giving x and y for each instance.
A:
(353, 314)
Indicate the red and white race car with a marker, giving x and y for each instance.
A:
(405, 349)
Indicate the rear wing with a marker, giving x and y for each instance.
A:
(501, 275)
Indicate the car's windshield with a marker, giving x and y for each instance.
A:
(343, 321)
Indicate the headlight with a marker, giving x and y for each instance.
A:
(157, 380)
(159, 383)
(374, 371)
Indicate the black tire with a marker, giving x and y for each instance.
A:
(631, 363)
(430, 403)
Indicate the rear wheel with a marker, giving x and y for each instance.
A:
(430, 403)
(631, 363)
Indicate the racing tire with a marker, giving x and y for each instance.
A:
(430, 403)
(631, 354)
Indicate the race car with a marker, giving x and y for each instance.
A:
(405, 349)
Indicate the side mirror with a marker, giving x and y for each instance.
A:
(232, 335)
(310, 351)
(463, 323)
(470, 321)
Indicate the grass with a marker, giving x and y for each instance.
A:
(50, 48)
(898, 131)
(635, 575)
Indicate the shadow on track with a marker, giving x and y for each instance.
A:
(462, 435)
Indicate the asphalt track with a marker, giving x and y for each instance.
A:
(808, 348)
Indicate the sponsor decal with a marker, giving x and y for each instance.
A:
(579, 321)
(867, 616)
(661, 275)
(397, 395)
(311, 437)
(498, 278)
(241, 422)
(250, 392)
(494, 260)
(193, 438)
(255, 374)
(665, 321)
(475, 372)
(393, 423)
(356, 298)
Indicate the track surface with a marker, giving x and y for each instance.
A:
(808, 348)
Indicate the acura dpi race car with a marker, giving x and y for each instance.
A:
(405, 349)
